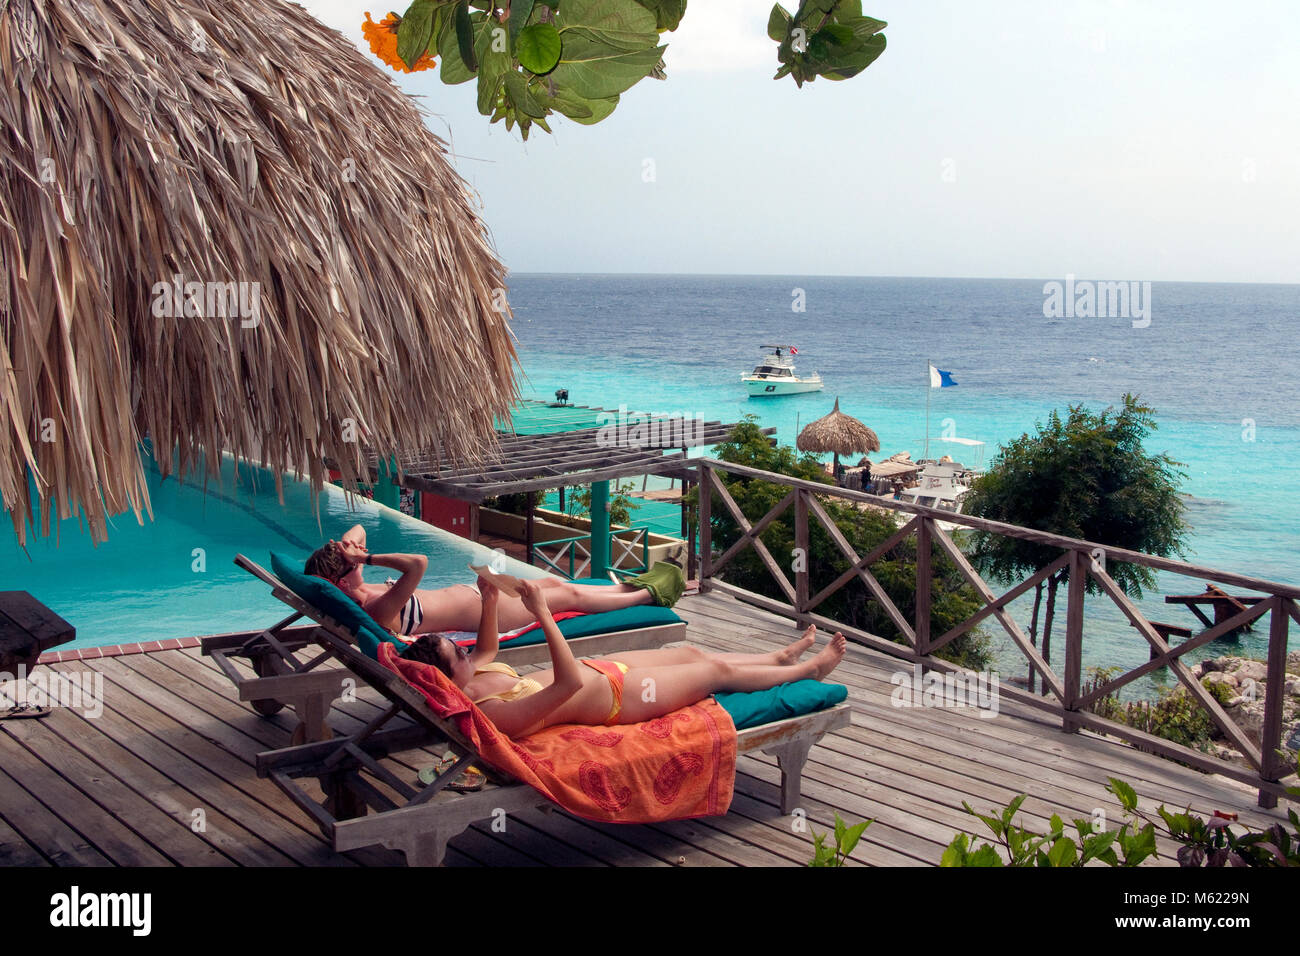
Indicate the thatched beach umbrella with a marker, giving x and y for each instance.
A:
(222, 228)
(838, 433)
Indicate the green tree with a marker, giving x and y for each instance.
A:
(621, 503)
(952, 600)
(1085, 476)
(576, 57)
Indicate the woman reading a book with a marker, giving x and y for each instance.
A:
(591, 691)
(404, 607)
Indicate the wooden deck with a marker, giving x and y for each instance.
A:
(173, 749)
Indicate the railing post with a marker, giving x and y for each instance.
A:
(922, 625)
(706, 532)
(689, 533)
(1270, 734)
(801, 556)
(1073, 669)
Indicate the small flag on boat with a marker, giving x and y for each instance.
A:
(939, 378)
(793, 350)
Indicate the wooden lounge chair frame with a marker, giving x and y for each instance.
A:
(287, 677)
(353, 780)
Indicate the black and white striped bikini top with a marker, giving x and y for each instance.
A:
(411, 614)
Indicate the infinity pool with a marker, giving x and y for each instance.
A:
(175, 576)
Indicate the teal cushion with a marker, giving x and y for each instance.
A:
(606, 622)
(779, 703)
(321, 594)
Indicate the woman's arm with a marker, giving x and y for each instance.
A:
(412, 567)
(489, 639)
(356, 534)
(517, 718)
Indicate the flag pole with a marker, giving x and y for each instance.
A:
(928, 390)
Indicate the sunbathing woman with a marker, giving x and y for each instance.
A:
(658, 682)
(407, 609)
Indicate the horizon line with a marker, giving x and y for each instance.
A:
(1083, 277)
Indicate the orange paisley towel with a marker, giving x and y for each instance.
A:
(675, 767)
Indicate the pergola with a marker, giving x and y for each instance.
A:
(625, 445)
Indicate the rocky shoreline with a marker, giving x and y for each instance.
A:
(1243, 684)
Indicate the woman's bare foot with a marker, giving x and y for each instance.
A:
(791, 654)
(829, 657)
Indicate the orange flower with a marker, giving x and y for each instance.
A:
(382, 37)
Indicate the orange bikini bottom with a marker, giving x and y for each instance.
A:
(613, 672)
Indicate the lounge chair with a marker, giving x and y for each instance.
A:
(286, 676)
(353, 780)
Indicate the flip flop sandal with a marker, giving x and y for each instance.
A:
(468, 782)
(25, 712)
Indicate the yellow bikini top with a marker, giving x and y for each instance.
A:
(524, 686)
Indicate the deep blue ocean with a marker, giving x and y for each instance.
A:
(1218, 363)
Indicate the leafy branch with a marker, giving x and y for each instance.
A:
(577, 57)
(1210, 843)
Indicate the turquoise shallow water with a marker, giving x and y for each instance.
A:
(1217, 362)
(176, 577)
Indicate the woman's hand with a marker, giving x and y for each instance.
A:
(353, 552)
(487, 590)
(533, 598)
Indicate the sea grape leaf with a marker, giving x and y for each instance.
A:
(611, 18)
(520, 97)
(520, 10)
(465, 36)
(454, 70)
(538, 48)
(622, 42)
(414, 31)
(668, 13)
(778, 23)
(580, 110)
(597, 72)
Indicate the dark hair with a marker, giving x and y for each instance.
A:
(328, 562)
(425, 650)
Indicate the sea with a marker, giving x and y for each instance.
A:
(1217, 362)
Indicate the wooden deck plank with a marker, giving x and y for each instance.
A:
(257, 803)
(169, 834)
(57, 841)
(178, 786)
(115, 841)
(16, 851)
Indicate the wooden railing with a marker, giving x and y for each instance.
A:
(629, 551)
(1064, 695)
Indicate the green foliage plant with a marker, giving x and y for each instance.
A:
(532, 60)
(846, 839)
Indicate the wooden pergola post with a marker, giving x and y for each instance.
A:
(599, 528)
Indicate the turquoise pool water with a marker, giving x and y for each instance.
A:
(176, 577)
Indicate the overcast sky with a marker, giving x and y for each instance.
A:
(1111, 139)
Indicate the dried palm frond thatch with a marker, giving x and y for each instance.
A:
(146, 144)
(838, 433)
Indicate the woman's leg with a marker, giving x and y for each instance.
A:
(650, 692)
(670, 656)
(592, 598)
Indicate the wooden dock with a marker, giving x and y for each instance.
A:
(165, 777)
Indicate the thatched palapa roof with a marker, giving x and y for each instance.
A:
(838, 433)
(149, 144)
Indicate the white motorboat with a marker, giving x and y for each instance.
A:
(940, 485)
(774, 375)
